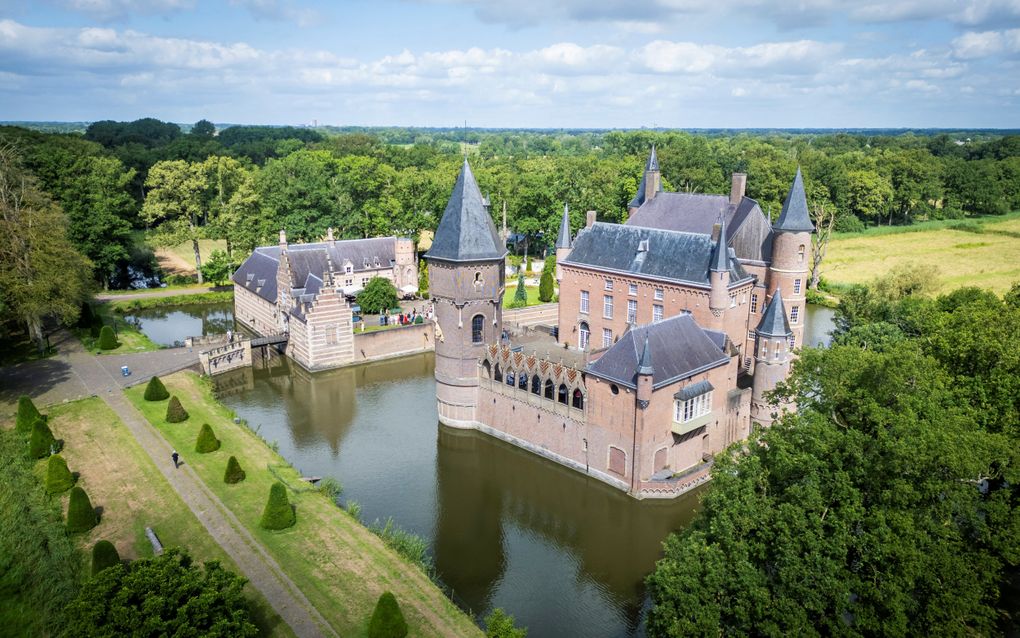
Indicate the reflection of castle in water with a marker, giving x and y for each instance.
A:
(484, 485)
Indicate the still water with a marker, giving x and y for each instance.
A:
(170, 324)
(567, 555)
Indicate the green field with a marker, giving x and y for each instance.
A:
(508, 295)
(129, 338)
(964, 253)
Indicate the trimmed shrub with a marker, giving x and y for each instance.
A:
(387, 619)
(107, 340)
(41, 442)
(104, 555)
(278, 513)
(207, 441)
(156, 391)
(234, 473)
(545, 286)
(58, 477)
(27, 414)
(81, 516)
(175, 412)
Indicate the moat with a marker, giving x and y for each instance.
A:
(564, 553)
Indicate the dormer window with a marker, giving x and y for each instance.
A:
(348, 268)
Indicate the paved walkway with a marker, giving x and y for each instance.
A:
(75, 373)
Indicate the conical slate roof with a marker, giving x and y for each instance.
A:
(466, 231)
(563, 239)
(653, 161)
(651, 165)
(795, 216)
(645, 363)
(773, 322)
(720, 253)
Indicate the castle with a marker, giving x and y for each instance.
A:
(671, 329)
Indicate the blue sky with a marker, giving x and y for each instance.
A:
(516, 63)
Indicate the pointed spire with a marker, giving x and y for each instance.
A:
(773, 321)
(721, 253)
(653, 161)
(645, 363)
(563, 239)
(794, 216)
(652, 165)
(466, 232)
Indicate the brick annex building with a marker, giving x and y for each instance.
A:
(671, 329)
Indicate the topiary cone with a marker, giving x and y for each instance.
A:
(27, 414)
(175, 412)
(104, 555)
(545, 287)
(156, 391)
(234, 473)
(278, 513)
(58, 477)
(387, 619)
(107, 340)
(207, 441)
(40, 443)
(81, 516)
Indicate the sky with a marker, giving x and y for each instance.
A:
(516, 63)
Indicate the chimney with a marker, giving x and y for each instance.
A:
(737, 188)
(283, 238)
(329, 234)
(590, 219)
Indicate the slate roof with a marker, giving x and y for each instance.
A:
(309, 261)
(721, 254)
(668, 255)
(773, 321)
(794, 216)
(688, 392)
(651, 165)
(645, 363)
(653, 160)
(563, 239)
(679, 347)
(466, 231)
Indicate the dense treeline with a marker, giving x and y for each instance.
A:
(246, 182)
(888, 505)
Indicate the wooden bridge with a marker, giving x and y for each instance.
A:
(236, 354)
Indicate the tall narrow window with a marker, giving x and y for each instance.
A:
(607, 306)
(793, 341)
(583, 336)
(607, 337)
(477, 328)
(800, 253)
(794, 314)
(584, 302)
(657, 312)
(796, 286)
(754, 302)
(632, 311)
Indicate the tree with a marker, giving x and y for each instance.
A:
(219, 267)
(175, 412)
(28, 414)
(423, 279)
(233, 473)
(278, 513)
(155, 390)
(41, 274)
(41, 441)
(206, 441)
(107, 340)
(232, 204)
(203, 128)
(104, 556)
(520, 299)
(378, 296)
(824, 219)
(174, 204)
(81, 516)
(167, 596)
(500, 624)
(58, 478)
(387, 619)
(545, 286)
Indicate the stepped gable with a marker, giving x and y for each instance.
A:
(679, 347)
(668, 255)
(466, 231)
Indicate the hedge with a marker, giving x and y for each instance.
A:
(41, 442)
(387, 620)
(81, 516)
(175, 412)
(234, 473)
(156, 391)
(104, 555)
(207, 441)
(278, 513)
(27, 414)
(58, 477)
(107, 340)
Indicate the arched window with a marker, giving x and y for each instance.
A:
(536, 385)
(562, 394)
(578, 401)
(549, 389)
(522, 381)
(477, 328)
(498, 376)
(486, 370)
(584, 335)
(800, 254)
(511, 378)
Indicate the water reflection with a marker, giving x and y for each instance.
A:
(818, 325)
(173, 324)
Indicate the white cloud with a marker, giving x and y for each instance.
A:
(973, 45)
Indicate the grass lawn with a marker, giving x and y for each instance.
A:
(186, 252)
(508, 295)
(129, 338)
(339, 565)
(120, 478)
(988, 259)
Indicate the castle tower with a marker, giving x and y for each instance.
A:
(645, 378)
(651, 183)
(466, 284)
(791, 256)
(284, 286)
(772, 358)
(563, 243)
(719, 275)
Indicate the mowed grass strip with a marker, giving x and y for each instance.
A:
(336, 562)
(989, 259)
(120, 477)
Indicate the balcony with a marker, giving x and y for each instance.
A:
(689, 426)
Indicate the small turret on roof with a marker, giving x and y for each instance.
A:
(651, 166)
(773, 321)
(721, 252)
(653, 161)
(466, 232)
(795, 216)
(645, 363)
(563, 239)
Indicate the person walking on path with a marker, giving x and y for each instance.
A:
(175, 456)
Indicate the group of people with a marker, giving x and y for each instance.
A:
(406, 318)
